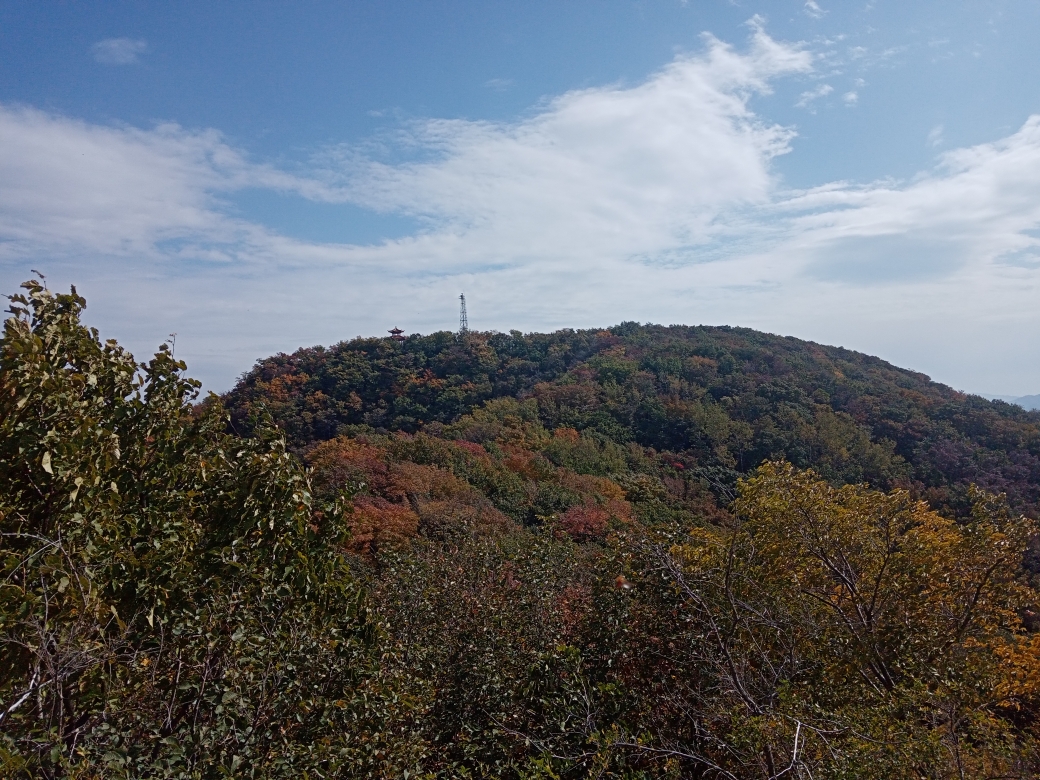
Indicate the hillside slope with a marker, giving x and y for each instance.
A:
(718, 400)
(542, 584)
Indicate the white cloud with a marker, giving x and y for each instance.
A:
(69, 186)
(812, 8)
(978, 206)
(935, 136)
(850, 98)
(655, 201)
(626, 169)
(806, 98)
(118, 51)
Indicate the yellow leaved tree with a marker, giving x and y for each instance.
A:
(847, 632)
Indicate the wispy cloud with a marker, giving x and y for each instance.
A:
(627, 169)
(850, 98)
(119, 51)
(980, 204)
(812, 8)
(69, 186)
(806, 98)
(935, 136)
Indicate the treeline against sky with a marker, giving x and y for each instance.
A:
(718, 400)
(641, 552)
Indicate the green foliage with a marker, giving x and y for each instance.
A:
(491, 628)
(724, 399)
(845, 632)
(170, 604)
(510, 557)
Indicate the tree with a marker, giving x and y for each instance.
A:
(846, 632)
(172, 604)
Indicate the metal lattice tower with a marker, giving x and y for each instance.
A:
(463, 323)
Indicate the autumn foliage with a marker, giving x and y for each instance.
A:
(599, 554)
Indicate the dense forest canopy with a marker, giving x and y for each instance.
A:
(643, 552)
(720, 400)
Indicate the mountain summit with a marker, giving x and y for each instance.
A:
(720, 400)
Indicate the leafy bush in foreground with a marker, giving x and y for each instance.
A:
(171, 605)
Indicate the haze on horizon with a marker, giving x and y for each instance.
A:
(257, 178)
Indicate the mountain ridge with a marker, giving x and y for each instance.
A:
(726, 398)
(1030, 402)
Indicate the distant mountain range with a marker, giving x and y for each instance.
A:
(1025, 401)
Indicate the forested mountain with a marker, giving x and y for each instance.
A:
(719, 400)
(579, 555)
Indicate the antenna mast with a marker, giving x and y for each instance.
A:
(463, 323)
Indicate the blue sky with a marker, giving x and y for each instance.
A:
(261, 176)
